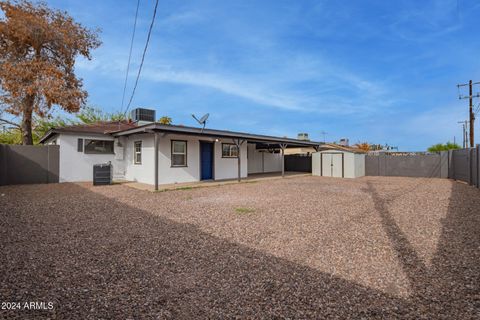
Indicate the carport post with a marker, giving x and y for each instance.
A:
(238, 143)
(155, 151)
(283, 146)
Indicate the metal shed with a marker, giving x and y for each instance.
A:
(338, 163)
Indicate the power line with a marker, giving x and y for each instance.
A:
(130, 54)
(143, 56)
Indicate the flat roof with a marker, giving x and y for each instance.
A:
(152, 127)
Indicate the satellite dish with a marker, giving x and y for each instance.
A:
(202, 120)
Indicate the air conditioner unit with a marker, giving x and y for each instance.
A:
(303, 136)
(143, 116)
(344, 142)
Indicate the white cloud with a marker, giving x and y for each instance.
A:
(182, 18)
(245, 89)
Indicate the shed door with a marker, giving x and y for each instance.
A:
(337, 165)
(332, 164)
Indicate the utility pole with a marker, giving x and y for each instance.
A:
(470, 108)
(472, 115)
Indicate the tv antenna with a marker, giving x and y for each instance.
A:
(323, 133)
(202, 120)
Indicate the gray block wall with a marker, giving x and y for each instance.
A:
(29, 164)
(411, 165)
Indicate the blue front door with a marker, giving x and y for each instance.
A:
(206, 160)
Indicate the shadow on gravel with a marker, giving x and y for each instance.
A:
(96, 258)
(450, 287)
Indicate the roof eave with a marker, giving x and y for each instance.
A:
(47, 135)
(214, 133)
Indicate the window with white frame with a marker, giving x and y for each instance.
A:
(229, 150)
(179, 153)
(137, 152)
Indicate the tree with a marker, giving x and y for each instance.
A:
(365, 146)
(38, 48)
(88, 115)
(165, 120)
(443, 147)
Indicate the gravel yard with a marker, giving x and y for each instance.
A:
(309, 247)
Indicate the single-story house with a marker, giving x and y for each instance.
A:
(154, 153)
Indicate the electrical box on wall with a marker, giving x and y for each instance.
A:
(118, 153)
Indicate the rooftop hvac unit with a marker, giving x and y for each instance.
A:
(303, 136)
(143, 115)
(343, 142)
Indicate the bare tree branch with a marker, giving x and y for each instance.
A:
(10, 123)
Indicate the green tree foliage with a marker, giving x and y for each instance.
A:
(88, 115)
(10, 136)
(443, 147)
(165, 120)
(40, 126)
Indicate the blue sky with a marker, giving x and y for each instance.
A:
(376, 71)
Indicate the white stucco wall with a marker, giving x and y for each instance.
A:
(272, 162)
(223, 168)
(145, 172)
(227, 168)
(260, 162)
(139, 172)
(78, 166)
(169, 174)
(255, 160)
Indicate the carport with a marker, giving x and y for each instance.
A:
(261, 142)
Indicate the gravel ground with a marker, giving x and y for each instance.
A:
(309, 247)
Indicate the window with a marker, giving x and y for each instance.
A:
(137, 152)
(229, 150)
(80, 145)
(179, 153)
(99, 146)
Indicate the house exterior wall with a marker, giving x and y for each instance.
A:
(140, 172)
(260, 162)
(78, 166)
(227, 168)
(224, 168)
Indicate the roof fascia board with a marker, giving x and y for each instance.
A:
(214, 133)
